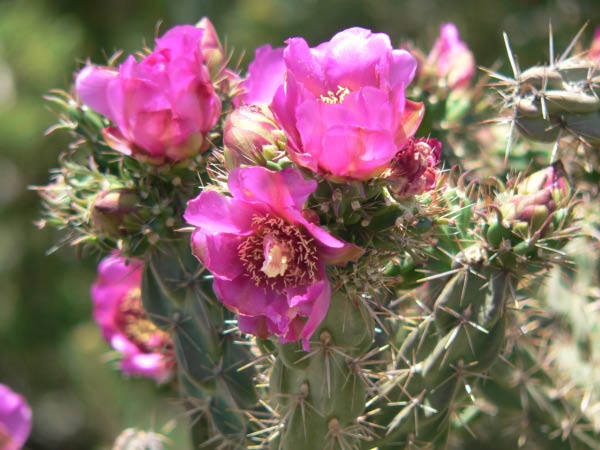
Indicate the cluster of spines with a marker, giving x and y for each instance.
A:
(552, 101)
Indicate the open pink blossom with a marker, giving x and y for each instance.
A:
(452, 58)
(15, 419)
(342, 105)
(145, 349)
(265, 74)
(414, 169)
(164, 105)
(267, 259)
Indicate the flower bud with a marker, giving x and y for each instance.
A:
(212, 50)
(251, 137)
(414, 169)
(451, 59)
(113, 209)
(535, 198)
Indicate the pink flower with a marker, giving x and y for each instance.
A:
(15, 419)
(267, 259)
(452, 58)
(265, 74)
(414, 169)
(342, 105)
(145, 350)
(164, 105)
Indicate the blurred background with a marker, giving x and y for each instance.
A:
(51, 351)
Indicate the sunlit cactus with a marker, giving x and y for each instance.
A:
(556, 99)
(331, 262)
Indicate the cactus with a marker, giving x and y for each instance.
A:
(382, 304)
(554, 100)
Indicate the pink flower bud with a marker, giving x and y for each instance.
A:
(536, 197)
(452, 59)
(212, 50)
(15, 419)
(164, 105)
(251, 137)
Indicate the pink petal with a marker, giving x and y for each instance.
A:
(352, 56)
(92, 84)
(242, 296)
(306, 68)
(359, 153)
(15, 418)
(281, 190)
(152, 365)
(320, 308)
(215, 213)
(254, 325)
(218, 253)
(265, 75)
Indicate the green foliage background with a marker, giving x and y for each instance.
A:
(51, 351)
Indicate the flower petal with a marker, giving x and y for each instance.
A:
(320, 308)
(216, 213)
(92, 84)
(265, 75)
(281, 190)
(218, 253)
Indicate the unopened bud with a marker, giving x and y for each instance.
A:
(112, 209)
(212, 50)
(535, 198)
(250, 137)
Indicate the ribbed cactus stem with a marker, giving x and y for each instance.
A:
(320, 394)
(179, 299)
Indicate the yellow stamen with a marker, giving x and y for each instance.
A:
(335, 98)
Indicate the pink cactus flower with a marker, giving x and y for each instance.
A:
(267, 259)
(265, 74)
(145, 349)
(342, 105)
(452, 58)
(15, 419)
(164, 105)
(414, 169)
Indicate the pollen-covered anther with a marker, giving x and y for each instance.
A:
(279, 255)
(336, 97)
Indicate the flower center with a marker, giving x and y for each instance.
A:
(335, 97)
(133, 322)
(278, 255)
